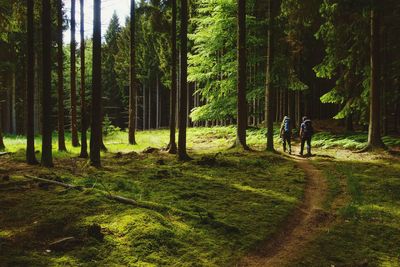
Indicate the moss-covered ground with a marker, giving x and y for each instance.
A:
(224, 207)
(213, 212)
(364, 198)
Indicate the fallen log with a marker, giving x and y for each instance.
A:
(69, 186)
(4, 153)
(140, 204)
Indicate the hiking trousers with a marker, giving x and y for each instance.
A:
(306, 139)
(286, 138)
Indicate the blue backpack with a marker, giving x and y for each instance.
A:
(308, 129)
(286, 125)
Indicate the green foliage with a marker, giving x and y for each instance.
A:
(212, 61)
(353, 141)
(108, 127)
(345, 33)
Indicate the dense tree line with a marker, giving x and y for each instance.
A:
(227, 62)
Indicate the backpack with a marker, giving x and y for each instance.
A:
(308, 129)
(286, 125)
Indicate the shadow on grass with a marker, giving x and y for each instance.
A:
(367, 232)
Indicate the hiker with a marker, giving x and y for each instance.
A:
(306, 133)
(286, 133)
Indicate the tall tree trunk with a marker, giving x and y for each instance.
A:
(84, 152)
(374, 132)
(144, 107)
(149, 106)
(47, 157)
(349, 123)
(157, 102)
(133, 88)
(241, 75)
(30, 90)
(183, 82)
(268, 83)
(37, 96)
(95, 137)
(2, 146)
(13, 102)
(60, 76)
(74, 128)
(172, 113)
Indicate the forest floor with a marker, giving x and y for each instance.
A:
(301, 226)
(337, 208)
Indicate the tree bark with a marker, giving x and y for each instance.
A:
(13, 102)
(183, 82)
(74, 128)
(241, 75)
(2, 146)
(84, 152)
(144, 107)
(47, 157)
(374, 131)
(95, 137)
(172, 113)
(60, 76)
(268, 83)
(133, 88)
(157, 102)
(30, 90)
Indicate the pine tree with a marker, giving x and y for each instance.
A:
(183, 82)
(60, 76)
(374, 131)
(241, 75)
(84, 153)
(2, 146)
(132, 88)
(30, 90)
(47, 157)
(172, 149)
(96, 134)
(269, 83)
(74, 127)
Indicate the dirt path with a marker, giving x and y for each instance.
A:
(300, 228)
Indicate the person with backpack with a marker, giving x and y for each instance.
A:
(286, 133)
(306, 133)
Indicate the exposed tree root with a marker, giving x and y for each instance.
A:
(371, 148)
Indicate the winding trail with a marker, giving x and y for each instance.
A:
(301, 226)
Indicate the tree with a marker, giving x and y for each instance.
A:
(172, 114)
(30, 90)
(241, 75)
(183, 83)
(112, 89)
(268, 83)
(84, 153)
(74, 128)
(47, 157)
(132, 88)
(2, 146)
(374, 131)
(60, 75)
(95, 137)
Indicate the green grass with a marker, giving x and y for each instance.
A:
(240, 200)
(365, 196)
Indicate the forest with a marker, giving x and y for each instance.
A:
(200, 133)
